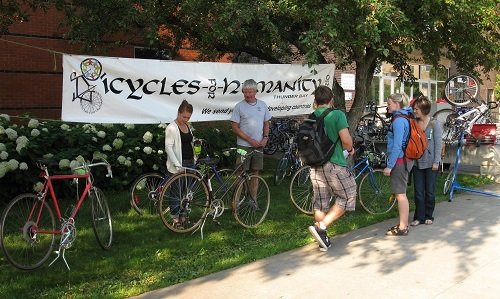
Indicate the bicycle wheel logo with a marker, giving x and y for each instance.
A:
(90, 99)
(91, 69)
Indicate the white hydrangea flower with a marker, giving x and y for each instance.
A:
(80, 159)
(73, 164)
(107, 148)
(129, 126)
(11, 133)
(94, 139)
(139, 162)
(148, 150)
(64, 163)
(155, 167)
(148, 137)
(5, 116)
(117, 143)
(37, 187)
(217, 130)
(2, 147)
(2, 130)
(130, 151)
(35, 132)
(65, 127)
(33, 123)
(121, 159)
(119, 134)
(22, 140)
(160, 152)
(45, 129)
(23, 166)
(137, 148)
(101, 134)
(4, 155)
(13, 164)
(162, 125)
(19, 147)
(127, 163)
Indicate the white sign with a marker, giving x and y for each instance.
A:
(142, 91)
(348, 81)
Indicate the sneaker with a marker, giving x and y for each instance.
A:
(321, 237)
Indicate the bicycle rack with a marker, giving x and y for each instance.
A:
(454, 184)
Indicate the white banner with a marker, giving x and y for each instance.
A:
(142, 91)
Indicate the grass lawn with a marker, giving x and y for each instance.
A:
(146, 256)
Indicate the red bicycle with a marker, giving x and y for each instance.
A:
(28, 224)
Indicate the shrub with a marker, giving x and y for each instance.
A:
(130, 149)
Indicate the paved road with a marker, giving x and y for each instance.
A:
(456, 257)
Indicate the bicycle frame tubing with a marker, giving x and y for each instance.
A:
(49, 188)
(454, 184)
(364, 164)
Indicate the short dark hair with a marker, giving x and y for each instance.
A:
(185, 107)
(323, 95)
(423, 103)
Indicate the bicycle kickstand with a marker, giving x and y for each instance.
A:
(58, 252)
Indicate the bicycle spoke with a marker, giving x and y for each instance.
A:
(27, 243)
(251, 201)
(184, 202)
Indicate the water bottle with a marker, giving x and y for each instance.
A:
(241, 151)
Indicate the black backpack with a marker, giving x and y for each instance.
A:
(315, 148)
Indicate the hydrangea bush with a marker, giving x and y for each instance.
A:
(130, 149)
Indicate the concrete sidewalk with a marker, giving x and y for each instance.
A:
(456, 257)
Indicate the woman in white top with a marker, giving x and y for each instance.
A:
(179, 149)
(179, 140)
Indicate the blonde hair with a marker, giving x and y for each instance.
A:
(400, 98)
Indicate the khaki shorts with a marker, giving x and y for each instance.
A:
(399, 177)
(254, 161)
(332, 180)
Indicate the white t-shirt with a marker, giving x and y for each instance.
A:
(251, 119)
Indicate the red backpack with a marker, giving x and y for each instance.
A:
(416, 143)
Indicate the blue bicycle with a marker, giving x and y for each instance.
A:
(374, 192)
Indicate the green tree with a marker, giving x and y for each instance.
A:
(363, 33)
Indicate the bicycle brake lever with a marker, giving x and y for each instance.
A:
(110, 173)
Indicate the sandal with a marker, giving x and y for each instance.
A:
(396, 231)
(415, 223)
(429, 221)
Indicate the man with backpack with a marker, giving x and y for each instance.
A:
(331, 179)
(398, 165)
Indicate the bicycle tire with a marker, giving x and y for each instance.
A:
(451, 131)
(372, 127)
(248, 210)
(101, 218)
(301, 190)
(450, 178)
(442, 114)
(223, 189)
(145, 191)
(23, 247)
(374, 192)
(185, 197)
(281, 170)
(461, 90)
(271, 145)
